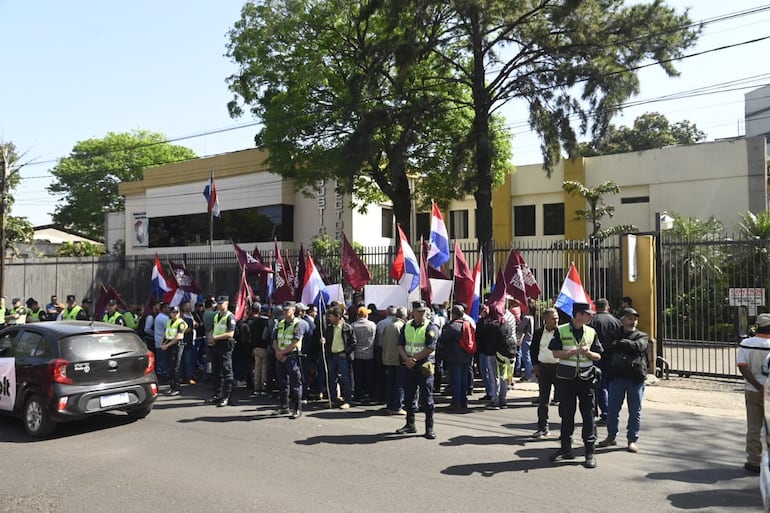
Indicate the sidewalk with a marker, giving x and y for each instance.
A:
(703, 396)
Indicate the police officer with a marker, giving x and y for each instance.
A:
(3, 310)
(577, 347)
(173, 346)
(287, 343)
(73, 312)
(34, 312)
(416, 346)
(222, 344)
(17, 313)
(112, 315)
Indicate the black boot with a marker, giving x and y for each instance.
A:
(565, 453)
(429, 433)
(408, 428)
(590, 458)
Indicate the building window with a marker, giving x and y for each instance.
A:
(635, 199)
(387, 223)
(524, 221)
(458, 224)
(553, 219)
(256, 224)
(422, 220)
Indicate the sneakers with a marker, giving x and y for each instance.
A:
(751, 468)
(407, 429)
(191, 381)
(562, 454)
(295, 414)
(590, 461)
(280, 411)
(173, 392)
(554, 403)
(540, 433)
(607, 442)
(401, 412)
(344, 406)
(632, 447)
(492, 406)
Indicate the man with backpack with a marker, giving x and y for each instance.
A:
(458, 343)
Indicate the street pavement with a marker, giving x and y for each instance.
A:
(190, 457)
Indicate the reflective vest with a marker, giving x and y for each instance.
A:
(568, 343)
(71, 314)
(415, 338)
(34, 316)
(220, 323)
(173, 327)
(22, 318)
(2, 314)
(111, 318)
(286, 335)
(131, 320)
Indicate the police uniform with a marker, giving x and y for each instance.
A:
(115, 317)
(222, 355)
(17, 313)
(576, 385)
(415, 339)
(73, 312)
(289, 371)
(174, 327)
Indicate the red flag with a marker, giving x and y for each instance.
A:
(244, 293)
(262, 275)
(496, 300)
(249, 263)
(184, 278)
(464, 279)
(282, 284)
(354, 269)
(514, 280)
(530, 283)
(426, 291)
(107, 293)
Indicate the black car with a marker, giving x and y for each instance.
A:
(60, 371)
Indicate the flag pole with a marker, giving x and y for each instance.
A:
(211, 237)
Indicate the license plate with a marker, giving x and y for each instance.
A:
(112, 400)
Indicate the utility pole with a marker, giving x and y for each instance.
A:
(5, 155)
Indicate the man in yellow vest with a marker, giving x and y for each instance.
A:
(172, 338)
(577, 347)
(34, 312)
(416, 346)
(112, 315)
(73, 312)
(221, 345)
(3, 310)
(287, 343)
(17, 314)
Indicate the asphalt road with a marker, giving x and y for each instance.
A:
(188, 457)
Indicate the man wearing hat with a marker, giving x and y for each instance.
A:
(626, 368)
(34, 312)
(112, 315)
(752, 352)
(416, 346)
(172, 338)
(73, 311)
(17, 314)
(288, 345)
(577, 347)
(222, 344)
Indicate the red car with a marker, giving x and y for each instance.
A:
(53, 372)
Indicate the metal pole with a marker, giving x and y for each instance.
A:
(658, 289)
(211, 237)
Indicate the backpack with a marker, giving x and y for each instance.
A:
(468, 338)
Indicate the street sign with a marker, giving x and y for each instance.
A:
(747, 296)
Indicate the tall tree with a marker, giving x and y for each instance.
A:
(88, 178)
(650, 130)
(12, 229)
(354, 91)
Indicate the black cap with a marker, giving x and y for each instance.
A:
(112, 302)
(288, 304)
(70, 297)
(581, 307)
(300, 307)
(174, 309)
(223, 299)
(265, 308)
(86, 300)
(419, 306)
(628, 311)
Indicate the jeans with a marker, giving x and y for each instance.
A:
(546, 379)
(338, 364)
(633, 392)
(458, 380)
(395, 392)
(161, 369)
(602, 391)
(200, 351)
(188, 361)
(572, 391)
(363, 378)
(526, 358)
(488, 364)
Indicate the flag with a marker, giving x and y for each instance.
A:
(437, 274)
(438, 254)
(426, 291)
(261, 275)
(405, 268)
(241, 298)
(476, 303)
(210, 193)
(530, 283)
(281, 284)
(353, 268)
(250, 263)
(299, 275)
(160, 287)
(108, 293)
(184, 278)
(313, 286)
(571, 292)
(496, 299)
(464, 279)
(514, 279)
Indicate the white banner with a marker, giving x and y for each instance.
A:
(386, 295)
(442, 290)
(7, 383)
(335, 292)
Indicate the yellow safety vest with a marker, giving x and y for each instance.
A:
(22, 318)
(415, 338)
(34, 316)
(568, 343)
(220, 323)
(111, 318)
(71, 314)
(173, 328)
(286, 335)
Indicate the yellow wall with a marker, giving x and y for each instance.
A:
(642, 291)
(574, 170)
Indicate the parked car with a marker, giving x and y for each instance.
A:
(60, 371)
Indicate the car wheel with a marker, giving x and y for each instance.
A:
(139, 413)
(37, 420)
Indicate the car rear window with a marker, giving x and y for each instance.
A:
(99, 346)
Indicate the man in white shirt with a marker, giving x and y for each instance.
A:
(544, 364)
(752, 353)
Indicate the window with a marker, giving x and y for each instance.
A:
(258, 224)
(27, 345)
(422, 221)
(635, 199)
(524, 221)
(387, 223)
(458, 224)
(553, 219)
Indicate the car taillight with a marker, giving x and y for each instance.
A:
(150, 362)
(154, 388)
(61, 405)
(59, 371)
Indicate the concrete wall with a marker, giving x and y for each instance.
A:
(757, 112)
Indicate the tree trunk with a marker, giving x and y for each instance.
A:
(402, 205)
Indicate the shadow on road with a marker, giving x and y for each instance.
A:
(718, 498)
(701, 475)
(12, 430)
(520, 464)
(483, 440)
(352, 439)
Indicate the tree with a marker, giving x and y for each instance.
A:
(354, 92)
(651, 130)
(597, 210)
(88, 178)
(12, 230)
(18, 230)
(80, 249)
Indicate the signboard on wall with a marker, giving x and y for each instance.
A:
(750, 297)
(141, 230)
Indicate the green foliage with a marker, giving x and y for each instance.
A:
(88, 178)
(651, 130)
(597, 209)
(81, 249)
(18, 230)
(11, 160)
(755, 226)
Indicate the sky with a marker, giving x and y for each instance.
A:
(80, 69)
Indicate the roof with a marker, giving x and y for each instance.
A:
(57, 234)
(61, 329)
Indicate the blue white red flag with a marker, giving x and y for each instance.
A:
(572, 292)
(438, 253)
(160, 287)
(210, 193)
(405, 268)
(313, 286)
(476, 303)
